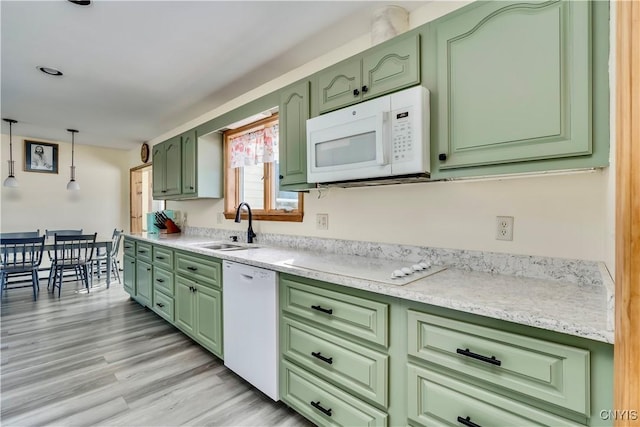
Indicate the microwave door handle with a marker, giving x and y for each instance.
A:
(380, 137)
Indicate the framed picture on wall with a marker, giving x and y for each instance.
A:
(40, 157)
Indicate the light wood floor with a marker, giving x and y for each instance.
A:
(102, 359)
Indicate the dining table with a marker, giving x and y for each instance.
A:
(101, 242)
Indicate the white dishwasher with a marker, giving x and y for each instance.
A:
(250, 313)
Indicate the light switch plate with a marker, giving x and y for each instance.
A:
(322, 221)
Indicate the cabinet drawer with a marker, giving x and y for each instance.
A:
(203, 270)
(356, 368)
(129, 247)
(163, 305)
(438, 400)
(555, 373)
(143, 251)
(357, 316)
(163, 257)
(323, 403)
(163, 281)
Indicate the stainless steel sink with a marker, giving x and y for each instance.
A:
(221, 246)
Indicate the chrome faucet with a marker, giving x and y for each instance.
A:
(250, 233)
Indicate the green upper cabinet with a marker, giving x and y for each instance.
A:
(515, 83)
(293, 115)
(188, 166)
(386, 68)
(189, 156)
(167, 168)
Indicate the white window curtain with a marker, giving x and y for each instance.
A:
(256, 147)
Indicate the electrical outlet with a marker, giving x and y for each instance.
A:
(322, 221)
(504, 228)
(220, 217)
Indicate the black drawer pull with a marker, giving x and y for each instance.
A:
(324, 310)
(160, 280)
(467, 421)
(356, 92)
(467, 353)
(365, 89)
(317, 405)
(148, 269)
(127, 247)
(159, 257)
(319, 355)
(159, 304)
(142, 252)
(192, 268)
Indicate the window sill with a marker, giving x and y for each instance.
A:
(269, 216)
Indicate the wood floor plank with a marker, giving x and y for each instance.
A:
(99, 358)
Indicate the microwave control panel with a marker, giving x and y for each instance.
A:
(401, 131)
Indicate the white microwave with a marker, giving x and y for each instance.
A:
(383, 137)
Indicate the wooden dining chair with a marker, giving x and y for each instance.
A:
(21, 255)
(20, 234)
(50, 234)
(72, 252)
(110, 259)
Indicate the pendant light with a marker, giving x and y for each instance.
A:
(73, 184)
(11, 180)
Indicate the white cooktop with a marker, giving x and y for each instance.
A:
(377, 270)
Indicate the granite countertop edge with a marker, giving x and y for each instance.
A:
(417, 291)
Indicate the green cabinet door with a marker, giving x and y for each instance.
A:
(339, 85)
(513, 83)
(208, 307)
(390, 67)
(159, 170)
(293, 115)
(185, 314)
(129, 281)
(189, 165)
(143, 283)
(173, 168)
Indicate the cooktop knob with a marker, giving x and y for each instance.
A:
(397, 273)
(407, 270)
(417, 267)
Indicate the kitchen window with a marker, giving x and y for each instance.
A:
(252, 174)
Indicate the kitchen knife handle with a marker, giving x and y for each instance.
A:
(324, 310)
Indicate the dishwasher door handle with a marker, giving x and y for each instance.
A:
(246, 276)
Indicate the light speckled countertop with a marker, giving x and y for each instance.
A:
(570, 308)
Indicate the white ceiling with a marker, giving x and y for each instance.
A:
(134, 70)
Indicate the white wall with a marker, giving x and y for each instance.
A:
(555, 215)
(42, 200)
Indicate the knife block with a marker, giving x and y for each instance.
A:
(151, 227)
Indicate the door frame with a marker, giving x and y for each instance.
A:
(131, 172)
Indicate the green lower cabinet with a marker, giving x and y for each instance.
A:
(163, 306)
(208, 303)
(323, 403)
(198, 312)
(440, 400)
(129, 274)
(357, 368)
(143, 283)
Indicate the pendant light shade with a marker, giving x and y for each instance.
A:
(73, 184)
(11, 180)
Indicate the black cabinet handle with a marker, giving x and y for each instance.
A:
(319, 355)
(442, 157)
(127, 247)
(160, 280)
(365, 89)
(476, 356)
(191, 288)
(133, 262)
(148, 269)
(324, 310)
(159, 257)
(191, 187)
(281, 176)
(192, 268)
(356, 92)
(317, 405)
(142, 252)
(467, 422)
(163, 191)
(159, 304)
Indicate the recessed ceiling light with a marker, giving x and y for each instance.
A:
(81, 2)
(50, 71)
